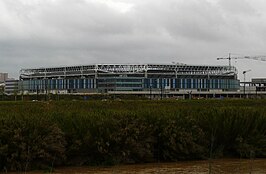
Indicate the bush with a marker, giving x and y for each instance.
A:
(30, 142)
(46, 134)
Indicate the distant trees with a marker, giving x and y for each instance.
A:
(2, 90)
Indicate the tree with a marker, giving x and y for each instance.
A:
(2, 89)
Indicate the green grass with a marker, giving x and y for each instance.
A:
(45, 134)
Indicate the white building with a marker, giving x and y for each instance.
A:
(11, 86)
(3, 77)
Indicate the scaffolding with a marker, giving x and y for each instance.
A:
(94, 70)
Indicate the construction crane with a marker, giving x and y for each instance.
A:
(229, 58)
(259, 58)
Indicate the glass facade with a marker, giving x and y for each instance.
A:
(190, 83)
(58, 84)
(129, 84)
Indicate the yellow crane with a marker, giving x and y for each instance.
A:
(259, 58)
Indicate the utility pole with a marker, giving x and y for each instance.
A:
(244, 73)
(161, 88)
(37, 98)
(22, 90)
(46, 90)
(150, 92)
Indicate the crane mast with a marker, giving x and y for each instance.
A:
(229, 58)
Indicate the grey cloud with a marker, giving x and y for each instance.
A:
(66, 32)
(85, 18)
(238, 7)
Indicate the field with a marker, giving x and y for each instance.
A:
(43, 135)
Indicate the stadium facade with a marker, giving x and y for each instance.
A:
(108, 78)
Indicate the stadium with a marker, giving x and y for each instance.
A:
(129, 78)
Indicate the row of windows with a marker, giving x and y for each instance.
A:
(120, 85)
(134, 83)
(115, 80)
(59, 84)
(192, 83)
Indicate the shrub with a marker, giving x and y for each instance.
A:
(30, 142)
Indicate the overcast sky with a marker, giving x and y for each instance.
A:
(40, 33)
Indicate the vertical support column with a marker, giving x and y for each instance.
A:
(146, 71)
(96, 71)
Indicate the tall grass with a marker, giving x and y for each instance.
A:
(43, 134)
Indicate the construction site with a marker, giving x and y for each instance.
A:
(154, 81)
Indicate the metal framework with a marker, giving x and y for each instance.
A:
(86, 70)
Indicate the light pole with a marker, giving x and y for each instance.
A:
(161, 88)
(244, 73)
(150, 92)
